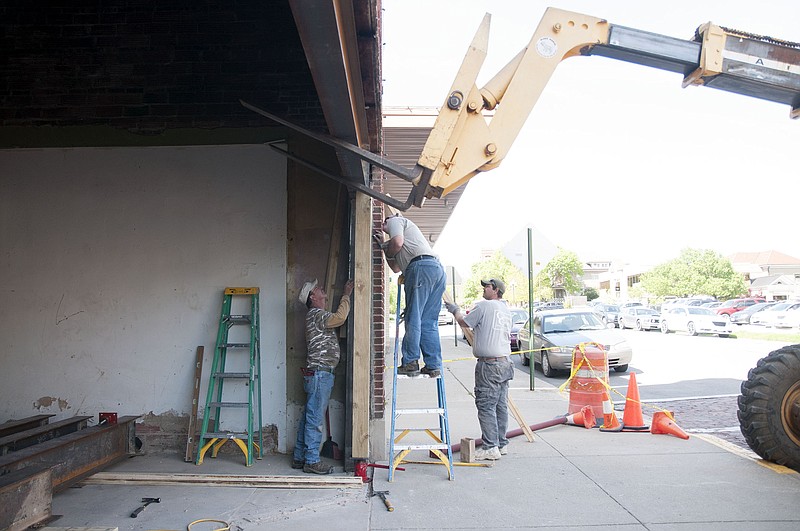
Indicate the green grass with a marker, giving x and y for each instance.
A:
(770, 335)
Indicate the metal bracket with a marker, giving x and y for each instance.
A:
(418, 176)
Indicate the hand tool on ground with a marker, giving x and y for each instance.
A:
(383, 495)
(145, 503)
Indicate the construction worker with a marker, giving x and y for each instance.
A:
(408, 251)
(322, 358)
(490, 321)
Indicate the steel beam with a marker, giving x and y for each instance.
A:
(77, 455)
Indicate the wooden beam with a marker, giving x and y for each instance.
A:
(222, 480)
(362, 325)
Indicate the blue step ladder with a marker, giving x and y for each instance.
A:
(398, 447)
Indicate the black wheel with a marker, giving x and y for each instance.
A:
(638, 325)
(526, 360)
(621, 368)
(691, 329)
(664, 327)
(547, 370)
(769, 407)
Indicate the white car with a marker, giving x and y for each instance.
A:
(789, 317)
(445, 317)
(695, 320)
(764, 317)
(640, 318)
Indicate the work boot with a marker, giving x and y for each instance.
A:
(431, 373)
(409, 369)
(317, 468)
(490, 454)
(504, 450)
(297, 465)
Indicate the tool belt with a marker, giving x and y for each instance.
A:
(309, 371)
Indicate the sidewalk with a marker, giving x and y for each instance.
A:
(569, 478)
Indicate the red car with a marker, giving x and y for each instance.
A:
(735, 305)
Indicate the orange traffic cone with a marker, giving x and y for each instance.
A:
(585, 417)
(664, 425)
(632, 417)
(610, 420)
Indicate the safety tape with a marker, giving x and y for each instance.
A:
(590, 372)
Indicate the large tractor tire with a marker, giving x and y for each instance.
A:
(769, 407)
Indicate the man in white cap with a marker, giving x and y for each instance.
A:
(322, 358)
(408, 251)
(490, 320)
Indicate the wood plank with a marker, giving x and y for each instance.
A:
(334, 251)
(362, 326)
(16, 426)
(221, 480)
(191, 436)
(78, 529)
(24, 439)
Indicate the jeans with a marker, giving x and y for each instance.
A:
(491, 399)
(425, 281)
(309, 433)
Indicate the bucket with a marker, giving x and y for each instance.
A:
(589, 378)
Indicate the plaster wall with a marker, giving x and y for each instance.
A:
(112, 267)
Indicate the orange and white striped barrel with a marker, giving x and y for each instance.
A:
(589, 378)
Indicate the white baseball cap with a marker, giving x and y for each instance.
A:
(306, 291)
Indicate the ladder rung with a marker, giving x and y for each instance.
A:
(225, 435)
(415, 429)
(420, 447)
(238, 319)
(234, 345)
(229, 404)
(233, 375)
(415, 411)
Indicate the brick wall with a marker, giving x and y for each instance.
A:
(147, 66)
(379, 301)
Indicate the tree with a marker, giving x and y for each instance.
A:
(564, 271)
(590, 294)
(500, 267)
(695, 272)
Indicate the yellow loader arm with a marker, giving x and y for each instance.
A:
(464, 142)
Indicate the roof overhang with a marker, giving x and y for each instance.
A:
(405, 131)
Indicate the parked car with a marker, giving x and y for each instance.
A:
(518, 318)
(557, 332)
(764, 316)
(629, 304)
(445, 317)
(550, 305)
(695, 320)
(712, 304)
(743, 317)
(608, 313)
(640, 318)
(785, 318)
(736, 305)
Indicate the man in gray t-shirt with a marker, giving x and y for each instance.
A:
(408, 252)
(490, 321)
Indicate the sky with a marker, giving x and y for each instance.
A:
(616, 161)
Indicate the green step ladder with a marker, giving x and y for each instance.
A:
(399, 445)
(239, 383)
